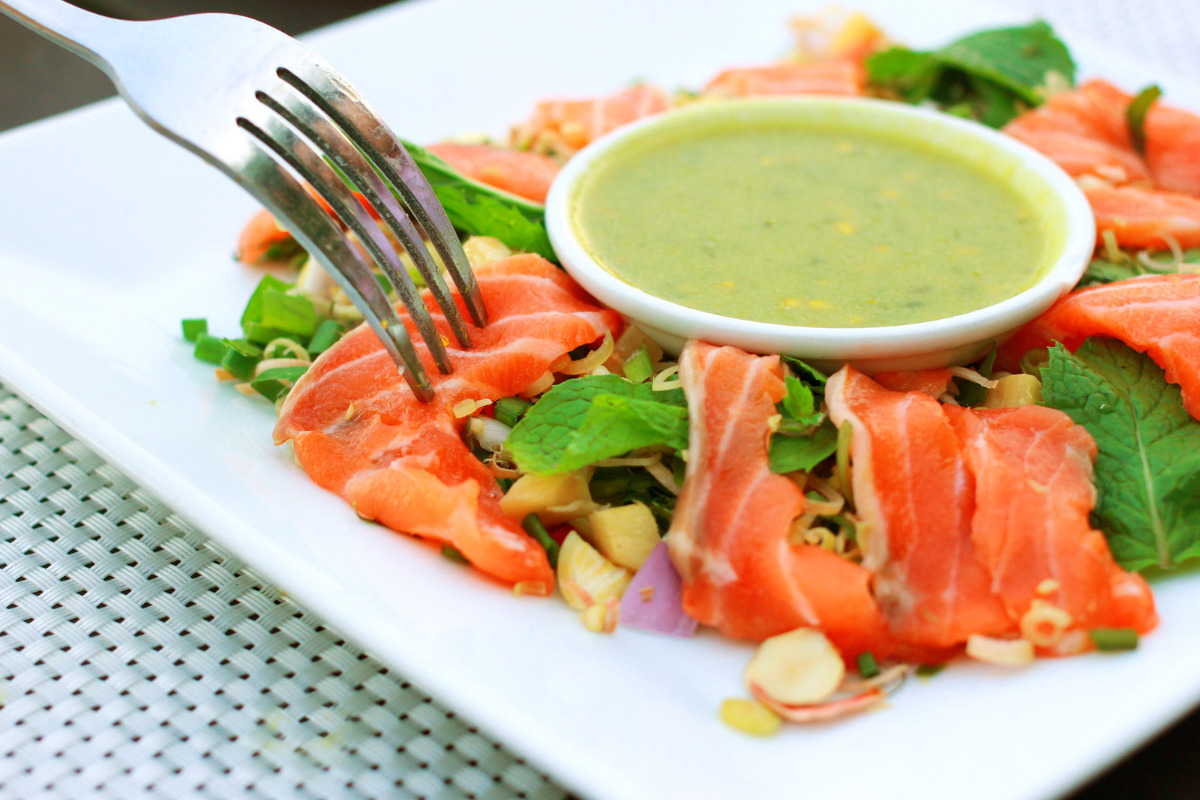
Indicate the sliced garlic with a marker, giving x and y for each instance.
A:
(800, 667)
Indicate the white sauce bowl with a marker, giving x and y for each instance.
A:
(958, 339)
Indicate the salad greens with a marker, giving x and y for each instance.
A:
(588, 419)
(1148, 468)
(1104, 270)
(990, 76)
(481, 210)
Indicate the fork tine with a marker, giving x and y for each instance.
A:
(255, 168)
(306, 118)
(300, 156)
(333, 95)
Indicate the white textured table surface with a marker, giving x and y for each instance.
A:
(138, 659)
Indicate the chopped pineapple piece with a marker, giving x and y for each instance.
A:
(483, 250)
(585, 577)
(800, 667)
(1013, 391)
(624, 535)
(554, 498)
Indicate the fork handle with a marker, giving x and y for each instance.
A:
(81, 32)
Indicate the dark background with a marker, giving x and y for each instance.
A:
(38, 79)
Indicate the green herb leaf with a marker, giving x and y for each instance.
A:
(989, 76)
(1135, 116)
(791, 453)
(798, 403)
(1018, 59)
(294, 315)
(1102, 270)
(482, 210)
(971, 393)
(1148, 468)
(585, 420)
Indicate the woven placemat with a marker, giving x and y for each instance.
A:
(140, 659)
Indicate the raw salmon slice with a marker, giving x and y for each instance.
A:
(1158, 315)
(564, 126)
(915, 501)
(835, 76)
(1142, 202)
(1032, 470)
(1085, 133)
(525, 174)
(358, 431)
(1147, 218)
(933, 382)
(729, 535)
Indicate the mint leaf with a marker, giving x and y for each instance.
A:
(798, 403)
(989, 76)
(1148, 467)
(482, 210)
(585, 420)
(791, 453)
(1017, 59)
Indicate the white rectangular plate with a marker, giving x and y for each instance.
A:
(110, 235)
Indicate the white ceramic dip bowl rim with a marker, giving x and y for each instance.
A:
(958, 339)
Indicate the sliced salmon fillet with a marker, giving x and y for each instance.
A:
(1085, 133)
(729, 535)
(1142, 202)
(915, 502)
(525, 174)
(1158, 315)
(1032, 470)
(1145, 217)
(1173, 148)
(563, 126)
(358, 430)
(933, 382)
(834, 76)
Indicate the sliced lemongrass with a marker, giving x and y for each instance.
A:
(664, 476)
(666, 380)
(591, 360)
(467, 407)
(286, 347)
(646, 460)
(968, 374)
(540, 385)
(1001, 652)
(276, 363)
(1045, 624)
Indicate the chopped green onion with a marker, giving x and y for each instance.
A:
(929, 670)
(210, 349)
(452, 553)
(1114, 639)
(637, 367)
(240, 358)
(261, 334)
(534, 527)
(288, 313)
(510, 409)
(193, 329)
(328, 332)
(1135, 116)
(868, 667)
(273, 383)
(254, 306)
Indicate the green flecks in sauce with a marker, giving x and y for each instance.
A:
(803, 224)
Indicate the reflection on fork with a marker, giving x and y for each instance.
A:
(258, 105)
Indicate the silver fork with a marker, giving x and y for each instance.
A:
(270, 114)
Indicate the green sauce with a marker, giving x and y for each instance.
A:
(804, 222)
